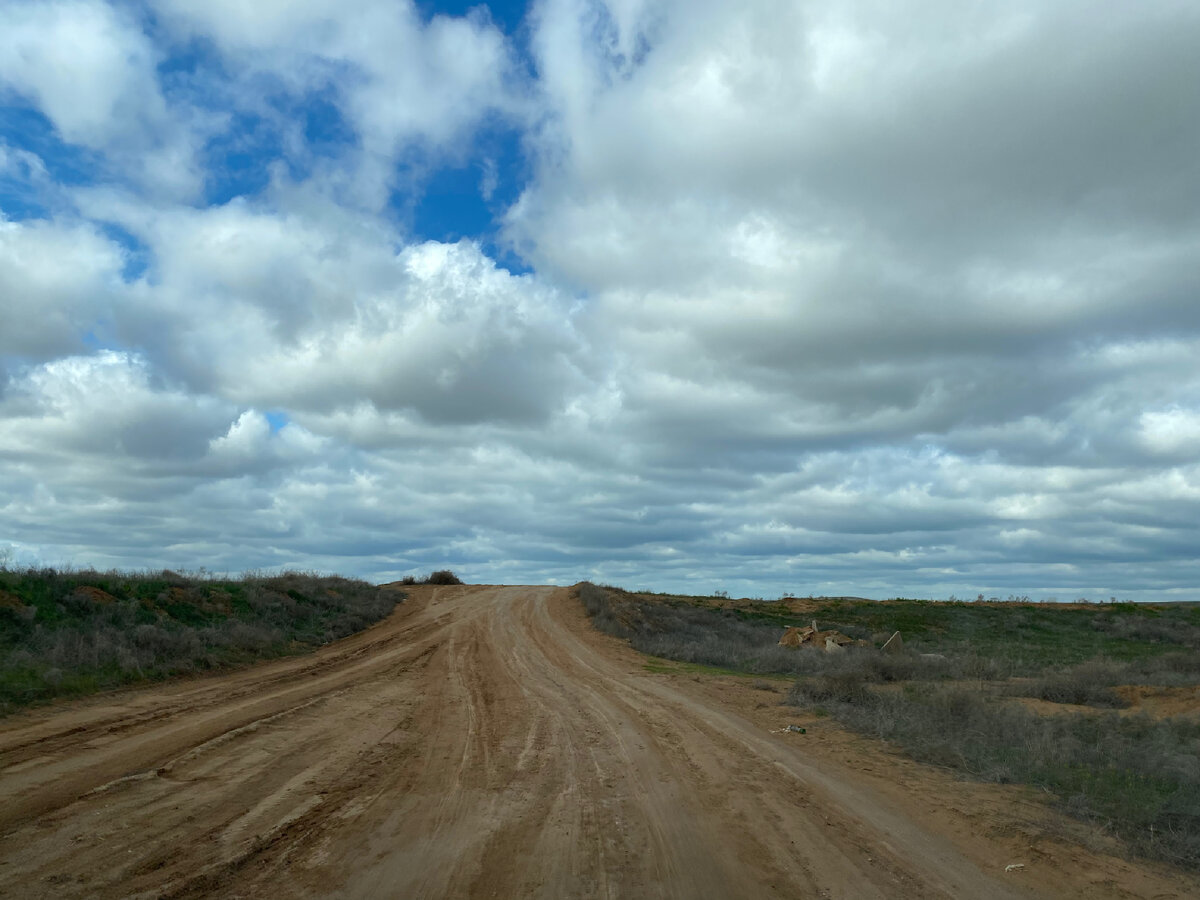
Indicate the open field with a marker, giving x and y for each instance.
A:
(488, 742)
(68, 633)
(1099, 706)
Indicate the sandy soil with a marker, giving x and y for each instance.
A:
(486, 742)
(1161, 702)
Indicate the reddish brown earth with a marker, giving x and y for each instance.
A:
(486, 742)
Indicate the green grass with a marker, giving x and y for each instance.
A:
(76, 632)
(1027, 636)
(1150, 644)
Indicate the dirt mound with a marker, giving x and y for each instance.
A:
(1161, 702)
(94, 595)
(796, 637)
(811, 636)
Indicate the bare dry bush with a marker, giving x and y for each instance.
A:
(1087, 684)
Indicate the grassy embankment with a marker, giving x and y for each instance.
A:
(75, 632)
(1137, 777)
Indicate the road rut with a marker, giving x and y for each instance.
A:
(481, 742)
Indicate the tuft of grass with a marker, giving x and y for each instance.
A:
(67, 633)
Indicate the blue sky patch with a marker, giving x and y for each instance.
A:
(238, 160)
(137, 254)
(277, 419)
(326, 131)
(508, 16)
(23, 128)
(468, 201)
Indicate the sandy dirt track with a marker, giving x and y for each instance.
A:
(485, 742)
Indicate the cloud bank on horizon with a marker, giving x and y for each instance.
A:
(826, 297)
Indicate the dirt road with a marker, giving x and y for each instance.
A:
(485, 742)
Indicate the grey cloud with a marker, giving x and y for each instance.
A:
(832, 298)
(56, 280)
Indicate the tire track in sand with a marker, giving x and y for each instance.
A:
(481, 742)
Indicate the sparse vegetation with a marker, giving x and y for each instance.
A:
(1138, 778)
(67, 633)
(675, 629)
(1087, 684)
(950, 698)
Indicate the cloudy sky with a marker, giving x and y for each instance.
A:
(824, 297)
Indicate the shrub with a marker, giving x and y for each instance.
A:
(1088, 684)
(443, 576)
(840, 687)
